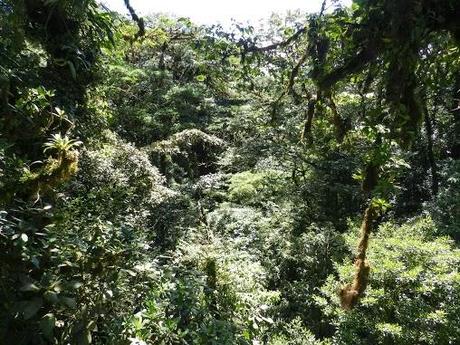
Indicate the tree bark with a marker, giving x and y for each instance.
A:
(351, 293)
(431, 159)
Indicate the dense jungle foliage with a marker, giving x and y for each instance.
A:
(168, 183)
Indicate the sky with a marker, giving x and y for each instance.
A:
(213, 11)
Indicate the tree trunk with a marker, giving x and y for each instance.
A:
(454, 149)
(431, 159)
(351, 293)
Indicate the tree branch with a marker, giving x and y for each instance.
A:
(137, 19)
(277, 45)
(353, 65)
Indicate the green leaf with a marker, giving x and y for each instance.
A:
(73, 72)
(47, 324)
(84, 337)
(29, 286)
(32, 307)
(234, 60)
(69, 301)
(200, 77)
(51, 297)
(75, 284)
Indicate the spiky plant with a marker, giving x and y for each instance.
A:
(61, 144)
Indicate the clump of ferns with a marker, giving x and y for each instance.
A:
(61, 164)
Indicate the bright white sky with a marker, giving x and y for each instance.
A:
(213, 11)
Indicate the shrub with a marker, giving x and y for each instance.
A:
(413, 295)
